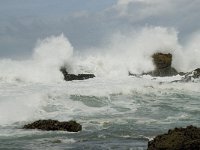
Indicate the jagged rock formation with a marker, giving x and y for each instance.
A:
(163, 68)
(195, 74)
(162, 64)
(71, 126)
(177, 139)
(70, 77)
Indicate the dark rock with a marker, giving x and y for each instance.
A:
(182, 73)
(161, 60)
(168, 71)
(70, 77)
(162, 64)
(71, 126)
(177, 139)
(195, 74)
(136, 75)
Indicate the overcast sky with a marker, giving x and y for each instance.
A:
(87, 23)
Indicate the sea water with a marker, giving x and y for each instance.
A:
(116, 111)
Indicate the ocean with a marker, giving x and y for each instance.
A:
(116, 111)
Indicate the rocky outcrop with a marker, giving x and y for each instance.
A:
(190, 76)
(163, 68)
(177, 139)
(162, 64)
(71, 126)
(70, 77)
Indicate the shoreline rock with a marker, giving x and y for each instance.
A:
(190, 76)
(71, 77)
(177, 139)
(53, 125)
(162, 64)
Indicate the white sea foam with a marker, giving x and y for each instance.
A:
(94, 97)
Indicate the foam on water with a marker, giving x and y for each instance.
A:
(94, 97)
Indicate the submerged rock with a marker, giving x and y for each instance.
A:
(71, 126)
(70, 77)
(162, 64)
(177, 139)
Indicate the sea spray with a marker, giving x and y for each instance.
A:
(191, 53)
(123, 53)
(131, 51)
(48, 56)
(53, 51)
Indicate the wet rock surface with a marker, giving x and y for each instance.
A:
(190, 76)
(162, 60)
(71, 77)
(70, 126)
(177, 139)
(162, 64)
(163, 68)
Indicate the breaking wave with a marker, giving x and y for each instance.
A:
(49, 54)
(124, 52)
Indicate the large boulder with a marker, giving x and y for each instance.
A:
(163, 68)
(162, 60)
(177, 139)
(70, 77)
(162, 64)
(71, 126)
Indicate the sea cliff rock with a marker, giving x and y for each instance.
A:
(162, 64)
(70, 77)
(163, 68)
(177, 139)
(71, 126)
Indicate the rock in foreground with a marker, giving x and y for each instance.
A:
(71, 126)
(70, 77)
(177, 139)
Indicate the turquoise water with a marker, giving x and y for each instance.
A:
(120, 113)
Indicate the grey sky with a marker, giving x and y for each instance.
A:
(87, 23)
